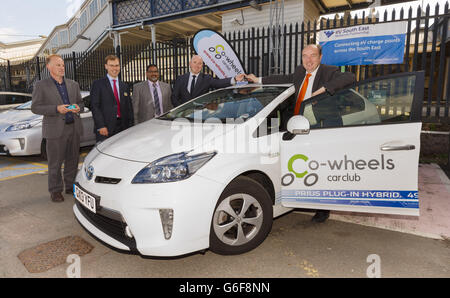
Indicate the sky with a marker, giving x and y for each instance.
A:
(38, 17)
(33, 17)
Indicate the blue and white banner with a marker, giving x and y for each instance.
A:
(217, 54)
(364, 44)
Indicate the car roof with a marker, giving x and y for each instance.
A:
(260, 85)
(14, 93)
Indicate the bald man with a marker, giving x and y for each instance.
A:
(59, 100)
(310, 79)
(194, 83)
(321, 77)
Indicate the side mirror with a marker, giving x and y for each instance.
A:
(298, 125)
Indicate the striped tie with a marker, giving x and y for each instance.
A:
(156, 101)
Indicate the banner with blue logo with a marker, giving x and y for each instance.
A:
(364, 44)
(217, 54)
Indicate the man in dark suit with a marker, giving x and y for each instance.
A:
(310, 79)
(194, 83)
(111, 103)
(59, 100)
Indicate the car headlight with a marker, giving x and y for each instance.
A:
(23, 125)
(172, 168)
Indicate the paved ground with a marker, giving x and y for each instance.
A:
(294, 248)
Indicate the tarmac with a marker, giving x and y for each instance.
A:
(434, 208)
(35, 232)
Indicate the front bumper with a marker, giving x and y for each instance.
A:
(21, 142)
(192, 201)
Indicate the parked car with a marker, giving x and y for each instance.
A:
(10, 100)
(21, 130)
(214, 172)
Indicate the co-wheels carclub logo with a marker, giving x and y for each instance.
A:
(349, 169)
(218, 51)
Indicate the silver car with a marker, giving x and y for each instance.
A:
(10, 100)
(21, 130)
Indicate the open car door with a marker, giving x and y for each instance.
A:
(360, 150)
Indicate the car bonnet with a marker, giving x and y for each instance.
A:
(11, 117)
(155, 138)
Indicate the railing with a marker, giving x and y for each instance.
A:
(252, 45)
(127, 11)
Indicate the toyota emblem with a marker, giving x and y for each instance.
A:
(89, 171)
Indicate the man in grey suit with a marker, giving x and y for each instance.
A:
(59, 100)
(151, 98)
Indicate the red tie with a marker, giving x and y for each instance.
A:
(116, 95)
(301, 95)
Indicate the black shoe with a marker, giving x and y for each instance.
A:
(56, 197)
(321, 216)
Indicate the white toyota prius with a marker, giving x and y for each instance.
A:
(214, 172)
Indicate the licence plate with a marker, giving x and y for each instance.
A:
(87, 200)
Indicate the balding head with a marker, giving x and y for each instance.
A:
(55, 66)
(311, 57)
(196, 64)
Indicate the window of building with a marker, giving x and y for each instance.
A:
(93, 9)
(54, 42)
(73, 31)
(63, 37)
(83, 20)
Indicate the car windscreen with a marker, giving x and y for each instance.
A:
(25, 106)
(226, 104)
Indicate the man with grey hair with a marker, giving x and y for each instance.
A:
(59, 100)
(194, 83)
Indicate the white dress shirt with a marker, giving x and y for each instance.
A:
(112, 83)
(310, 83)
(232, 82)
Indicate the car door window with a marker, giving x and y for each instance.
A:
(379, 101)
(87, 103)
(278, 118)
(366, 160)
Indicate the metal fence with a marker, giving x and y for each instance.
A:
(427, 49)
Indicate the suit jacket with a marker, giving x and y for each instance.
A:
(327, 76)
(203, 84)
(45, 100)
(104, 105)
(143, 104)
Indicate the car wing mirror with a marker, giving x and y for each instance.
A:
(297, 125)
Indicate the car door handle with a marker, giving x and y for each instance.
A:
(397, 148)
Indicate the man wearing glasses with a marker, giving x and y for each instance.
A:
(151, 98)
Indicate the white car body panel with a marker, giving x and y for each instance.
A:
(9, 140)
(193, 200)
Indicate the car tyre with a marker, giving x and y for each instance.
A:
(242, 218)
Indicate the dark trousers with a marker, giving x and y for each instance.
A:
(118, 128)
(65, 149)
